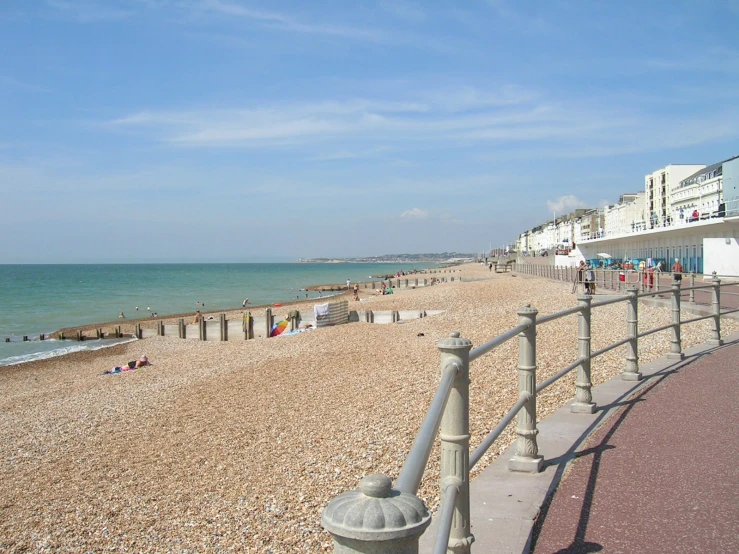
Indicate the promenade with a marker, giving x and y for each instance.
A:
(652, 469)
(660, 473)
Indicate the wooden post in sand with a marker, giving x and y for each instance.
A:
(79, 335)
(181, 329)
(268, 318)
(202, 329)
(160, 328)
(224, 328)
(137, 330)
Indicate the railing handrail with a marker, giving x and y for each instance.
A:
(497, 341)
(495, 433)
(412, 472)
(455, 379)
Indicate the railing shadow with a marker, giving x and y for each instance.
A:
(625, 403)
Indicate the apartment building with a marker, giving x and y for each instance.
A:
(627, 215)
(702, 192)
(658, 187)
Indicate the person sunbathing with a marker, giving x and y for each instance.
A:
(130, 366)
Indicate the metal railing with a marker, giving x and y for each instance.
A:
(380, 519)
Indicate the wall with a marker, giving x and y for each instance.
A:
(568, 261)
(721, 257)
(731, 187)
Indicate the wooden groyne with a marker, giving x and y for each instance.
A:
(217, 327)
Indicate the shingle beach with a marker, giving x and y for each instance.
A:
(238, 446)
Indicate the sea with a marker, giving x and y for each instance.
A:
(40, 299)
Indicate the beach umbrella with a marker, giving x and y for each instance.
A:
(279, 328)
(604, 255)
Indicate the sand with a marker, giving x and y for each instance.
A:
(239, 446)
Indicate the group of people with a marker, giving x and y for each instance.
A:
(586, 275)
(151, 315)
(385, 289)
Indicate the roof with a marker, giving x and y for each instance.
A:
(709, 168)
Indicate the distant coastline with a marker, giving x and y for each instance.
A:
(442, 258)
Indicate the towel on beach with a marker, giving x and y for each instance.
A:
(117, 369)
(320, 309)
(122, 369)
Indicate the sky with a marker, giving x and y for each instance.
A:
(239, 130)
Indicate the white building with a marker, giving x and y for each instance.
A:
(658, 186)
(626, 216)
(702, 192)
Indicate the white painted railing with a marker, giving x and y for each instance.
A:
(379, 518)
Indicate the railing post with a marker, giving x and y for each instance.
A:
(631, 371)
(716, 304)
(527, 456)
(455, 440)
(583, 403)
(692, 292)
(676, 352)
(375, 518)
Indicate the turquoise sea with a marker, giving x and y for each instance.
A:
(37, 299)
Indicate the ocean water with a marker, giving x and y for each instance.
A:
(37, 299)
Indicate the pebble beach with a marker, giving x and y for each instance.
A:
(238, 446)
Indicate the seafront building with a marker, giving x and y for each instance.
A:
(689, 212)
(659, 187)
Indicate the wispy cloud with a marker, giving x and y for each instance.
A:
(414, 213)
(89, 11)
(577, 127)
(11, 82)
(404, 10)
(289, 23)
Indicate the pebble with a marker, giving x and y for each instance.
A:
(239, 446)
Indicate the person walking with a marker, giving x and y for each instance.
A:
(581, 274)
(677, 270)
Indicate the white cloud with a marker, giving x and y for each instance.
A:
(415, 213)
(88, 11)
(518, 119)
(564, 204)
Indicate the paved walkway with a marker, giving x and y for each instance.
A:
(661, 473)
(653, 469)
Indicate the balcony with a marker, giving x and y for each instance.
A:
(667, 222)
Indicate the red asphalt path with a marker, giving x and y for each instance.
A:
(661, 474)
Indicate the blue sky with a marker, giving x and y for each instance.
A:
(236, 130)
